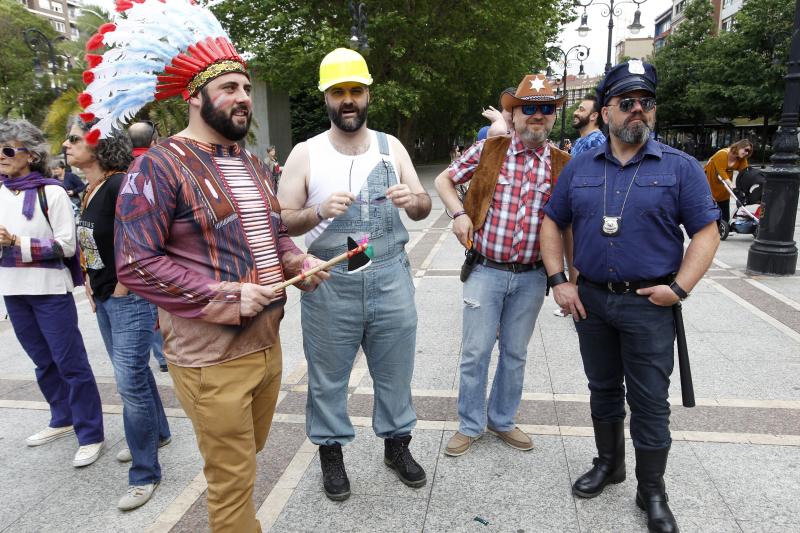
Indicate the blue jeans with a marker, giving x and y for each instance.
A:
(127, 325)
(627, 338)
(508, 302)
(373, 309)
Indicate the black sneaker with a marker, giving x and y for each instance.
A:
(334, 476)
(398, 457)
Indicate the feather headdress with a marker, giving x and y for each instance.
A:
(156, 49)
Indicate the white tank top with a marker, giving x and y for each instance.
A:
(331, 171)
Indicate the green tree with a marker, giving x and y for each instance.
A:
(435, 63)
(22, 92)
(681, 65)
(569, 132)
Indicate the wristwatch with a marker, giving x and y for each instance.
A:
(682, 294)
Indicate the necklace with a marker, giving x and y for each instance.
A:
(92, 189)
(613, 225)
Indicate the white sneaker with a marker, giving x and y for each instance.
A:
(136, 496)
(49, 434)
(88, 454)
(124, 455)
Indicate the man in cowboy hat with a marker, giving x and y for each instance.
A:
(512, 176)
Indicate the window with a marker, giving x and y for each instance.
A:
(59, 26)
(726, 3)
(74, 33)
(680, 6)
(727, 24)
(57, 7)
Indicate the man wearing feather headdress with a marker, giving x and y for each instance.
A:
(198, 233)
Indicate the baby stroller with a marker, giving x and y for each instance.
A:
(747, 195)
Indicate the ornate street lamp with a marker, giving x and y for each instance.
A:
(611, 9)
(774, 252)
(39, 43)
(358, 31)
(579, 52)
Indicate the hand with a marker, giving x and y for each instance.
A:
(70, 193)
(566, 296)
(90, 295)
(401, 196)
(463, 230)
(660, 295)
(254, 298)
(311, 283)
(5, 237)
(120, 291)
(492, 114)
(337, 204)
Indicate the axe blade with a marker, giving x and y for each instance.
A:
(360, 260)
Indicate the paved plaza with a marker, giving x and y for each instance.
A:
(734, 466)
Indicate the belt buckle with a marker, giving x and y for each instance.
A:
(515, 267)
(627, 289)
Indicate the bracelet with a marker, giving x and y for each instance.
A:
(677, 289)
(458, 214)
(557, 279)
(319, 213)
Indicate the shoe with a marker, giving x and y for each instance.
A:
(397, 456)
(49, 434)
(334, 476)
(124, 455)
(136, 496)
(609, 465)
(163, 368)
(88, 454)
(651, 495)
(459, 444)
(516, 438)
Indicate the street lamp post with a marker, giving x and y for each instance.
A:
(581, 52)
(611, 9)
(38, 43)
(358, 31)
(774, 252)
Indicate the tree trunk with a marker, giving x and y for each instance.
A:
(405, 133)
(764, 138)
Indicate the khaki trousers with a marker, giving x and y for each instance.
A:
(231, 406)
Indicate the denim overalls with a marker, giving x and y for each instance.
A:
(373, 308)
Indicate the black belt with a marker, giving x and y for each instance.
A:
(509, 267)
(624, 287)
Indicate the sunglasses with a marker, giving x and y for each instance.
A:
(544, 109)
(74, 139)
(648, 103)
(10, 151)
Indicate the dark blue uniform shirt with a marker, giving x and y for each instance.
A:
(670, 189)
(73, 183)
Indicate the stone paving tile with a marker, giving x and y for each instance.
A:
(51, 496)
(756, 482)
(768, 526)
(513, 490)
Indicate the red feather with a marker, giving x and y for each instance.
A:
(88, 77)
(95, 42)
(85, 100)
(86, 117)
(123, 5)
(106, 28)
(92, 137)
(93, 60)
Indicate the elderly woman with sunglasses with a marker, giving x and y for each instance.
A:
(38, 271)
(721, 167)
(126, 321)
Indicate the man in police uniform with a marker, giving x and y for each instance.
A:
(624, 204)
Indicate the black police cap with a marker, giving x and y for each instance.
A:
(625, 77)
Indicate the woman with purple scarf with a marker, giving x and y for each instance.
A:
(39, 268)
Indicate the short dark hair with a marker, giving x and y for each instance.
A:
(114, 152)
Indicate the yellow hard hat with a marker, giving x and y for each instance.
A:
(343, 65)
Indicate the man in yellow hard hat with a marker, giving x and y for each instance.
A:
(350, 181)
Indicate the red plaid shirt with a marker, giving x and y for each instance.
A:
(511, 231)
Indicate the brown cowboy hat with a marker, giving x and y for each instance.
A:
(534, 88)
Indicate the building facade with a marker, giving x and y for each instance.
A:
(61, 14)
(635, 48)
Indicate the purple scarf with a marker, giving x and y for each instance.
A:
(29, 184)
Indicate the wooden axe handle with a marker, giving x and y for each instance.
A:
(324, 266)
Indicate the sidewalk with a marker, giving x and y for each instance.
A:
(733, 466)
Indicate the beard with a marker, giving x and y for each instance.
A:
(580, 122)
(533, 138)
(222, 122)
(637, 133)
(348, 124)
